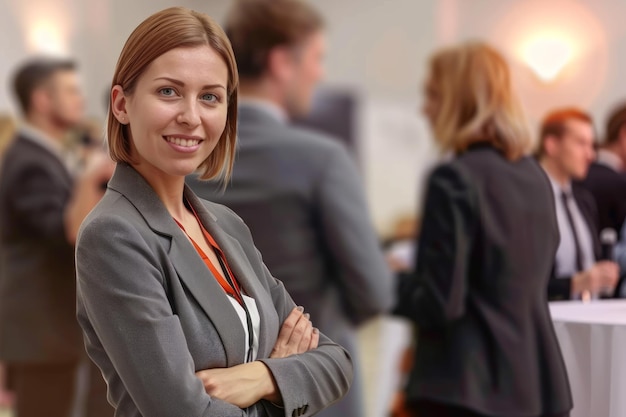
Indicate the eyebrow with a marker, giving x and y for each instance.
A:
(182, 84)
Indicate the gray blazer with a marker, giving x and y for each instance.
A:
(302, 197)
(37, 285)
(152, 314)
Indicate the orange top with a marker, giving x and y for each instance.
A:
(230, 284)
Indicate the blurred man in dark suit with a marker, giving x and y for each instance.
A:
(300, 191)
(566, 151)
(41, 208)
(606, 179)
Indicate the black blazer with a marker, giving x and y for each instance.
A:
(478, 296)
(559, 287)
(608, 188)
(37, 277)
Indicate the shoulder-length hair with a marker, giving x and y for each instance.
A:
(168, 29)
(477, 101)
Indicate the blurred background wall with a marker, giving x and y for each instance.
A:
(377, 50)
(563, 52)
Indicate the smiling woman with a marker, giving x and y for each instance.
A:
(177, 308)
(179, 108)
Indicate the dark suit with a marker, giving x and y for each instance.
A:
(559, 287)
(301, 195)
(39, 335)
(486, 341)
(608, 188)
(153, 314)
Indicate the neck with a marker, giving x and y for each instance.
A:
(262, 89)
(555, 172)
(51, 129)
(169, 189)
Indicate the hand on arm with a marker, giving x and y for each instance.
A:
(241, 385)
(246, 384)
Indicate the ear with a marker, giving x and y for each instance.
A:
(280, 63)
(39, 101)
(550, 145)
(118, 105)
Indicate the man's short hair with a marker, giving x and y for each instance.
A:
(33, 74)
(614, 124)
(255, 27)
(553, 124)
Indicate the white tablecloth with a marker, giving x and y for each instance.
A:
(593, 341)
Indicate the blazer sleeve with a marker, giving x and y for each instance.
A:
(122, 290)
(435, 294)
(40, 202)
(311, 381)
(365, 279)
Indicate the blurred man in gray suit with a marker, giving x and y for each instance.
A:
(41, 208)
(300, 191)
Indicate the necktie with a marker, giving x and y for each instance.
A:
(565, 197)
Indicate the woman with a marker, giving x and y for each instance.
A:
(486, 344)
(176, 306)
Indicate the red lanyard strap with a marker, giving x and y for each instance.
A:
(228, 281)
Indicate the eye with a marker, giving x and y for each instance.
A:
(211, 98)
(167, 91)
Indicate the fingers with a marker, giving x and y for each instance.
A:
(289, 324)
(315, 339)
(303, 333)
(296, 335)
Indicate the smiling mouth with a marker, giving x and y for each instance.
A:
(186, 143)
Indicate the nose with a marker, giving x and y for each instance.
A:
(188, 114)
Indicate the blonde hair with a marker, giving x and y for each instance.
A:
(7, 131)
(477, 102)
(168, 29)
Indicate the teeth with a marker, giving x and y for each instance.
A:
(182, 142)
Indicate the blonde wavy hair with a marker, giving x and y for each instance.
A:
(476, 101)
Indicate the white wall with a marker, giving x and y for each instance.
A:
(378, 47)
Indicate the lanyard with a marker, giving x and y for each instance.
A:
(227, 282)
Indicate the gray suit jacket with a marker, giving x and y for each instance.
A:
(152, 314)
(301, 195)
(37, 285)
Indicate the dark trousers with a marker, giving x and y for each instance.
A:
(435, 409)
(50, 389)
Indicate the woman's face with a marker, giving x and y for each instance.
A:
(177, 112)
(432, 100)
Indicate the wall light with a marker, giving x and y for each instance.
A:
(547, 56)
(44, 36)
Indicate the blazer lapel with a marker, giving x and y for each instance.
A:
(189, 266)
(244, 273)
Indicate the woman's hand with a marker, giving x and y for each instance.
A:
(248, 383)
(241, 385)
(297, 335)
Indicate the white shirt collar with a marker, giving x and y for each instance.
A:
(39, 137)
(609, 159)
(558, 188)
(266, 107)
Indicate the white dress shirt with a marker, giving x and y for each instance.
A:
(566, 253)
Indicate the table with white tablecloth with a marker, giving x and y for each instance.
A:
(592, 336)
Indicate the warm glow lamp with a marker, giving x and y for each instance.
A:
(45, 37)
(547, 56)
